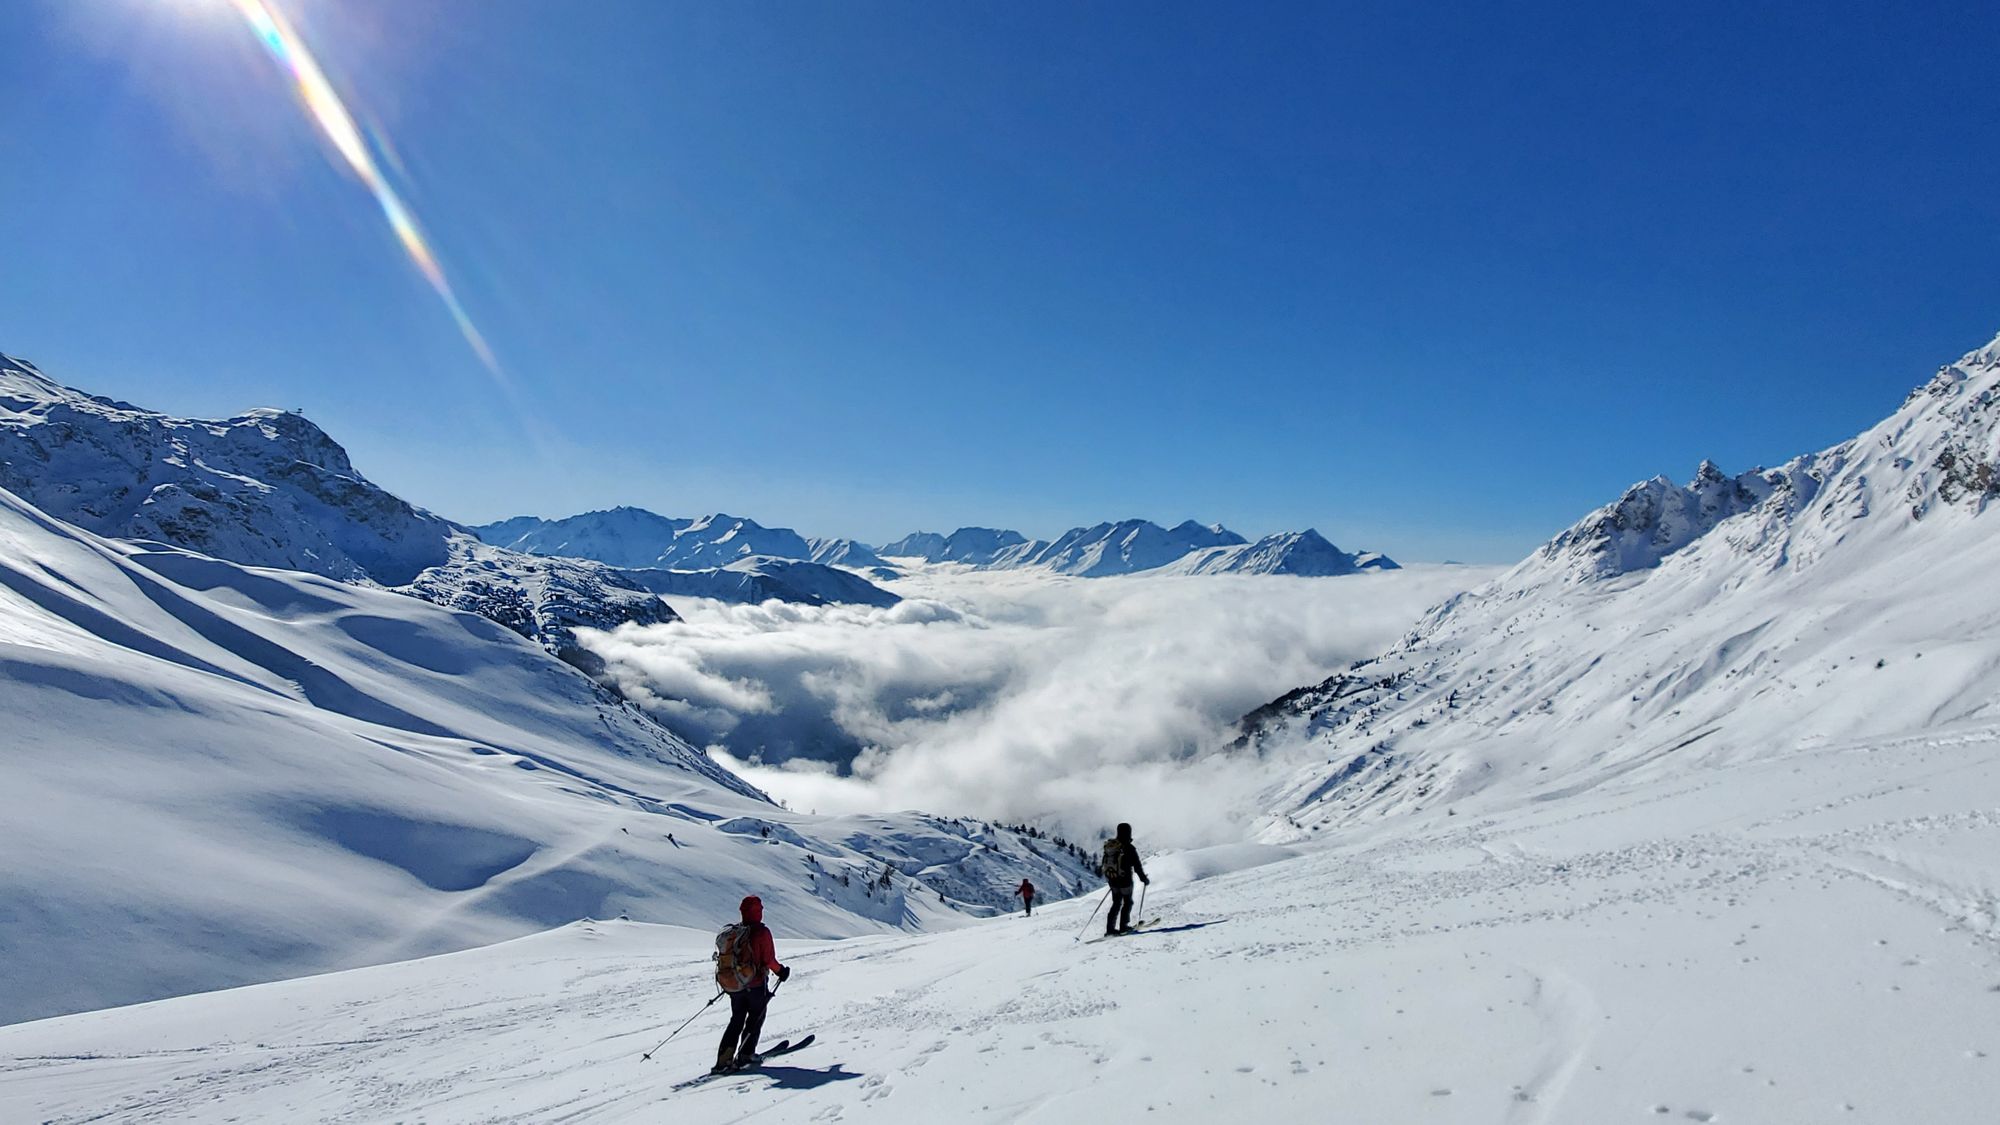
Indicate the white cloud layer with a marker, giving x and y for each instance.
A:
(1074, 703)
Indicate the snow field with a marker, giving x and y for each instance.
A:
(1806, 938)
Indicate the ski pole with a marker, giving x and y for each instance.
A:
(1142, 901)
(684, 1023)
(1093, 914)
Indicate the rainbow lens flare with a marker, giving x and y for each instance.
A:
(326, 109)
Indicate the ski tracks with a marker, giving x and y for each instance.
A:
(1569, 1016)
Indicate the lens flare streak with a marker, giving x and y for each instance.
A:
(333, 119)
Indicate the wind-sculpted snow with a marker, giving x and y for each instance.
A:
(1845, 594)
(1013, 695)
(1804, 938)
(218, 774)
(269, 488)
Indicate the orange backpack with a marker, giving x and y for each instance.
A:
(736, 964)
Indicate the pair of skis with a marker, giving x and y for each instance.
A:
(782, 1047)
(1132, 929)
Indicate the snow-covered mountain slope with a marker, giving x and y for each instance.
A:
(844, 552)
(1132, 546)
(1123, 547)
(638, 539)
(623, 536)
(758, 578)
(1808, 938)
(720, 557)
(976, 546)
(1304, 553)
(1848, 593)
(269, 488)
(218, 774)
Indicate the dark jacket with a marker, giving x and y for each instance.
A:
(1133, 868)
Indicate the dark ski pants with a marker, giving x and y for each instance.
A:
(746, 1017)
(1028, 906)
(1120, 915)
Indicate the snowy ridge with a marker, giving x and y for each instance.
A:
(758, 578)
(635, 538)
(220, 774)
(1845, 594)
(1134, 545)
(269, 488)
(1304, 553)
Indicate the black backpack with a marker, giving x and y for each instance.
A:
(1115, 870)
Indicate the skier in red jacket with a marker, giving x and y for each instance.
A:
(748, 1001)
(1026, 893)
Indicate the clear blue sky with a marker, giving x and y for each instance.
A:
(1435, 279)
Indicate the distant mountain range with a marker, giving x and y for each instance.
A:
(1131, 546)
(636, 538)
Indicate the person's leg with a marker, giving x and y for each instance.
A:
(739, 1009)
(759, 1001)
(1121, 898)
(1125, 909)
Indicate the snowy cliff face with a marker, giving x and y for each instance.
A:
(266, 488)
(269, 488)
(219, 774)
(1846, 594)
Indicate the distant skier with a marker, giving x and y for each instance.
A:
(1026, 893)
(744, 960)
(1121, 863)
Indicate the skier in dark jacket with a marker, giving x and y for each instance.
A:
(1121, 863)
(1026, 893)
(747, 1003)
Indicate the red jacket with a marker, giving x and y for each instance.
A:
(1026, 889)
(761, 948)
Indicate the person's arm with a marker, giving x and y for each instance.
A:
(767, 953)
(1139, 869)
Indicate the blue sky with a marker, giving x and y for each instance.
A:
(1434, 281)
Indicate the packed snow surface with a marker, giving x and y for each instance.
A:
(1809, 937)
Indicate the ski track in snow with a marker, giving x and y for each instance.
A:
(1774, 941)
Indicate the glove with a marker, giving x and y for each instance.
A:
(1145, 880)
(784, 973)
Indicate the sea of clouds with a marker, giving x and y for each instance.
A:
(1016, 696)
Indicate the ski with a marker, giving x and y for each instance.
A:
(782, 1047)
(1136, 927)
